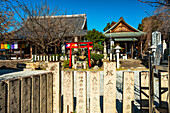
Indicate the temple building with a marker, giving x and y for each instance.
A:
(53, 31)
(124, 35)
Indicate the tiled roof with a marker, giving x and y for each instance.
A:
(66, 26)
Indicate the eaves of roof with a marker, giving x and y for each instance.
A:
(124, 34)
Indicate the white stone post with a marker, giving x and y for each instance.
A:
(50, 58)
(117, 52)
(38, 58)
(111, 57)
(41, 58)
(105, 51)
(73, 60)
(44, 58)
(56, 58)
(164, 47)
(53, 58)
(32, 57)
(47, 58)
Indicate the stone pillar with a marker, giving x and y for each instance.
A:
(73, 60)
(105, 51)
(81, 105)
(14, 96)
(26, 94)
(38, 58)
(3, 93)
(164, 86)
(95, 92)
(63, 48)
(128, 92)
(68, 91)
(111, 57)
(111, 44)
(144, 91)
(55, 68)
(109, 100)
(164, 47)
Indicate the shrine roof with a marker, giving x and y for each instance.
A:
(121, 27)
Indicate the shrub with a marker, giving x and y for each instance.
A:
(66, 64)
(96, 57)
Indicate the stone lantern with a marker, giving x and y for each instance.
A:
(153, 50)
(117, 48)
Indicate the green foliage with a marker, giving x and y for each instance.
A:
(98, 47)
(97, 38)
(109, 26)
(96, 57)
(66, 64)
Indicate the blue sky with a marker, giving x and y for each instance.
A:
(100, 12)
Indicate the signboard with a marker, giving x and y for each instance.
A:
(156, 38)
(158, 56)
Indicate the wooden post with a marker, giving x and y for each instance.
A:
(20, 52)
(31, 51)
(169, 83)
(126, 48)
(35, 50)
(55, 51)
(132, 51)
(151, 90)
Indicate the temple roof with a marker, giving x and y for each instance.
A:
(66, 26)
(122, 29)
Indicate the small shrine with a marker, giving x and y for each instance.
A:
(80, 62)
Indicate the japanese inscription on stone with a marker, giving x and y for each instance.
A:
(81, 92)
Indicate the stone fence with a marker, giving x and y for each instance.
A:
(43, 93)
(27, 94)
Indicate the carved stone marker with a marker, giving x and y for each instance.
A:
(49, 93)
(109, 87)
(26, 95)
(3, 92)
(144, 93)
(95, 92)
(81, 78)
(55, 68)
(14, 96)
(43, 93)
(68, 90)
(128, 92)
(35, 94)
